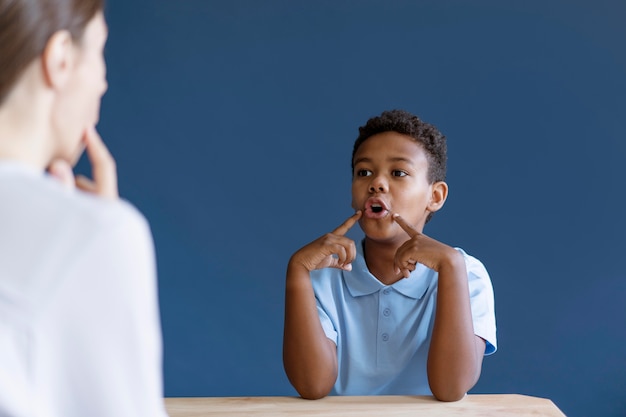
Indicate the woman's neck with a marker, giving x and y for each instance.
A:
(24, 135)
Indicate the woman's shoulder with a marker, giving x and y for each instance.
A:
(107, 214)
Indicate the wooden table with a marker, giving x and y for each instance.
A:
(497, 405)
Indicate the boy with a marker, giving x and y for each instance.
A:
(399, 312)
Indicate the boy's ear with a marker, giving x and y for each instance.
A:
(57, 59)
(438, 196)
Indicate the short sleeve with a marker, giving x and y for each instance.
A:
(326, 322)
(482, 302)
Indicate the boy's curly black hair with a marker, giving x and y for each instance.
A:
(403, 122)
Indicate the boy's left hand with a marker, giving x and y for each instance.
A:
(419, 248)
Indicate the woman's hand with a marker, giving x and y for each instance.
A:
(104, 171)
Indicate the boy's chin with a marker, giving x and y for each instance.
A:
(380, 232)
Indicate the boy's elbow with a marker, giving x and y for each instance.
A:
(448, 390)
(311, 387)
(312, 379)
(449, 394)
(313, 392)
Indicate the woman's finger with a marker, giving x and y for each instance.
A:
(62, 171)
(102, 165)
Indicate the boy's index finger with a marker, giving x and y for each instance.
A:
(407, 227)
(347, 225)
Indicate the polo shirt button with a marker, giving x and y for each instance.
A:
(386, 291)
(385, 337)
(386, 312)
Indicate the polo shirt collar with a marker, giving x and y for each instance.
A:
(361, 282)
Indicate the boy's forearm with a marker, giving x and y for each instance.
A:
(309, 357)
(455, 355)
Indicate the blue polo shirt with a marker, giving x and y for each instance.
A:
(383, 332)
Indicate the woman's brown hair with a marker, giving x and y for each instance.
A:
(27, 25)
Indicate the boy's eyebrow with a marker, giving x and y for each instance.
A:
(393, 159)
(356, 161)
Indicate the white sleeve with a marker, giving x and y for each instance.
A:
(113, 364)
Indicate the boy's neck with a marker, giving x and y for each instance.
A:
(379, 258)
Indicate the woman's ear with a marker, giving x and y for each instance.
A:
(57, 59)
(438, 196)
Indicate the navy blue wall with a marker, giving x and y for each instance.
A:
(232, 123)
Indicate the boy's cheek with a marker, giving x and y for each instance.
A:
(354, 204)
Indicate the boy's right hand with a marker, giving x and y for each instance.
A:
(333, 250)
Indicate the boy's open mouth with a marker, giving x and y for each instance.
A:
(375, 209)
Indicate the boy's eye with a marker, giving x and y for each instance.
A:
(398, 173)
(363, 173)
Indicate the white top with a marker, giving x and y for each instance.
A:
(383, 332)
(79, 322)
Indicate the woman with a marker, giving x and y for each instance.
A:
(79, 327)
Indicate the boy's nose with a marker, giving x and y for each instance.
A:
(378, 186)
